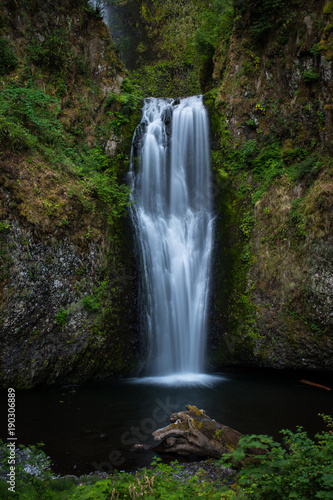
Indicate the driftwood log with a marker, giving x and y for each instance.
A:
(192, 431)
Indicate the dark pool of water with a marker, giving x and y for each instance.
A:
(94, 426)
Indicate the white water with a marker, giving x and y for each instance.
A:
(180, 380)
(173, 220)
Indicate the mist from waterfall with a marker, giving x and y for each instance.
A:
(172, 214)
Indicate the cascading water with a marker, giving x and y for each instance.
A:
(173, 220)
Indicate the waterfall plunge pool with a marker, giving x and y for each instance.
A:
(96, 425)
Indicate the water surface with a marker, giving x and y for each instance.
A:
(96, 425)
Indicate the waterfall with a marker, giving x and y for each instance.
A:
(173, 220)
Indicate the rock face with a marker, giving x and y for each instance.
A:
(68, 285)
(194, 432)
(273, 279)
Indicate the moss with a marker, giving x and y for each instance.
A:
(322, 46)
(328, 8)
(168, 79)
(194, 410)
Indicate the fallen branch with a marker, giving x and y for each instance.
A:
(316, 385)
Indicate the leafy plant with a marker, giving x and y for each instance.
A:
(315, 50)
(61, 318)
(56, 54)
(251, 123)
(264, 15)
(299, 468)
(215, 22)
(310, 75)
(306, 169)
(28, 113)
(5, 226)
(90, 303)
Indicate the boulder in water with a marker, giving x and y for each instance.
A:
(194, 432)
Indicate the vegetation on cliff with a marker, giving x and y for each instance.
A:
(67, 115)
(272, 160)
(265, 69)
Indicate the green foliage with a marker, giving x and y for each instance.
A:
(328, 9)
(264, 16)
(29, 121)
(310, 75)
(28, 116)
(5, 226)
(301, 468)
(129, 101)
(251, 123)
(61, 318)
(29, 460)
(266, 164)
(100, 301)
(215, 23)
(308, 169)
(98, 8)
(159, 482)
(130, 98)
(247, 224)
(90, 304)
(8, 59)
(297, 218)
(56, 54)
(315, 50)
(167, 79)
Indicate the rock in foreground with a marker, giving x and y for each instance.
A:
(193, 431)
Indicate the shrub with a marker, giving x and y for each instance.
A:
(301, 468)
(307, 169)
(309, 75)
(90, 304)
(57, 55)
(61, 318)
(264, 16)
(216, 22)
(30, 112)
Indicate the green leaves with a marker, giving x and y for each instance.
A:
(265, 15)
(61, 318)
(215, 22)
(310, 75)
(29, 121)
(28, 117)
(56, 54)
(300, 468)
